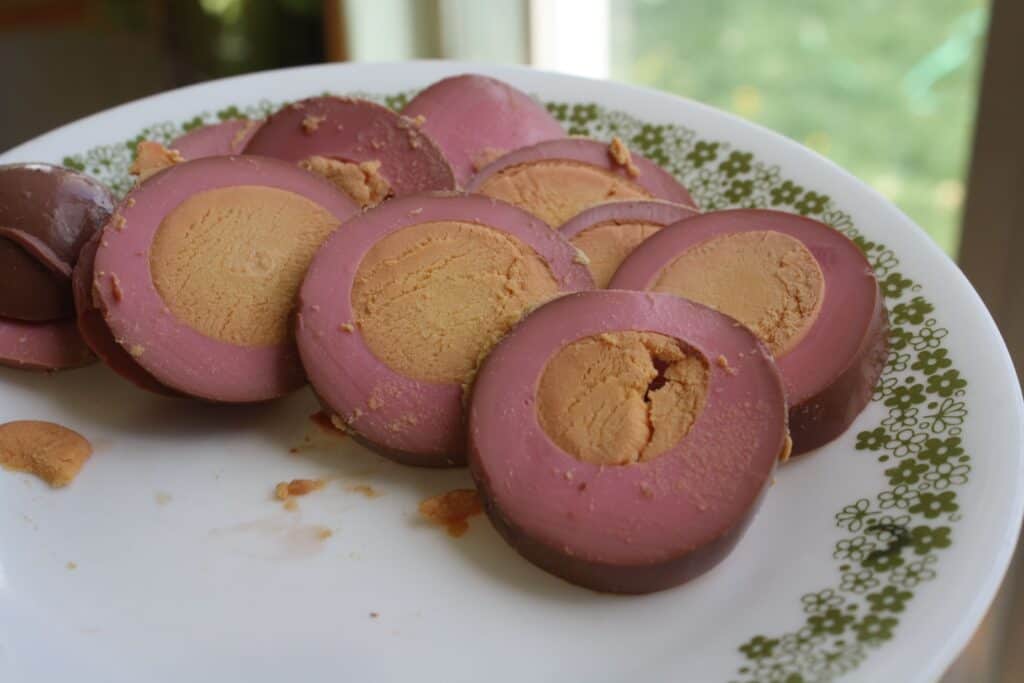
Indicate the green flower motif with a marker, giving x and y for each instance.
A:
(931, 505)
(582, 114)
(261, 110)
(786, 193)
(816, 603)
(904, 397)
(832, 621)
(883, 560)
(737, 163)
(231, 112)
(192, 124)
(773, 671)
(897, 362)
(884, 387)
(109, 155)
(738, 190)
(163, 132)
(852, 516)
(946, 384)
(947, 474)
(74, 163)
(872, 440)
(616, 123)
(841, 221)
(907, 441)
(899, 338)
(930, 362)
(856, 548)
(779, 676)
(875, 629)
(679, 138)
(858, 582)
(702, 153)
(883, 262)
(658, 156)
(949, 414)
(889, 599)
(912, 312)
(907, 472)
(888, 529)
(926, 538)
(754, 201)
(940, 451)
(759, 647)
(898, 497)
(914, 573)
(864, 244)
(803, 640)
(811, 203)
(765, 177)
(559, 110)
(929, 336)
(132, 145)
(396, 102)
(648, 137)
(893, 285)
(706, 183)
(900, 419)
(840, 660)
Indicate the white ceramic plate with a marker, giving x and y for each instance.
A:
(871, 560)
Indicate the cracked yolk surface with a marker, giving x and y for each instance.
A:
(768, 281)
(621, 397)
(432, 299)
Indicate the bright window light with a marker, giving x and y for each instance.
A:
(571, 36)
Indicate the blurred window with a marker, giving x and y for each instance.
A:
(885, 89)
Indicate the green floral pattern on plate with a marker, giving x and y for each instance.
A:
(890, 542)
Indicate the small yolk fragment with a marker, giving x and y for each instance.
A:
(365, 489)
(362, 182)
(297, 487)
(311, 123)
(152, 157)
(323, 420)
(452, 510)
(621, 155)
